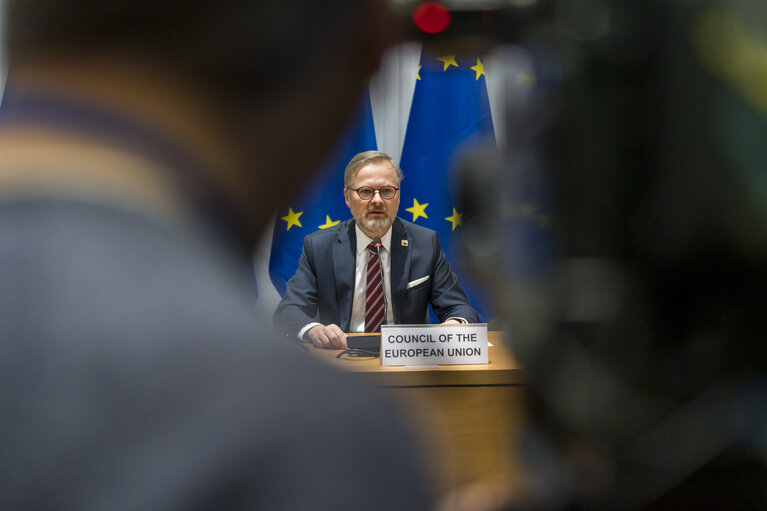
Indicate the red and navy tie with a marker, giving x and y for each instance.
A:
(375, 311)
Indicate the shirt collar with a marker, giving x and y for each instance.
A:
(363, 240)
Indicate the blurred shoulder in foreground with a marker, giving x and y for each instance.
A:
(138, 148)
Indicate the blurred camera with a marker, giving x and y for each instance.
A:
(621, 228)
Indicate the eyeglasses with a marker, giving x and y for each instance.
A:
(367, 192)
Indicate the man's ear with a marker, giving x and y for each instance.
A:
(346, 198)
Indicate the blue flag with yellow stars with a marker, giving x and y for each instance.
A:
(321, 203)
(450, 110)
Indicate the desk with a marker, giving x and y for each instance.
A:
(465, 418)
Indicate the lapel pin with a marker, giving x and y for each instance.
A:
(404, 243)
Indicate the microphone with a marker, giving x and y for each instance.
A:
(378, 246)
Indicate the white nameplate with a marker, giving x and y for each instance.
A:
(413, 345)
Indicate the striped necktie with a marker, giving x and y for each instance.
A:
(375, 310)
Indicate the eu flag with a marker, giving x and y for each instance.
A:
(321, 203)
(450, 111)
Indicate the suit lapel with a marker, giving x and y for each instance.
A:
(344, 264)
(400, 266)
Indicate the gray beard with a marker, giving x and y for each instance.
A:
(377, 226)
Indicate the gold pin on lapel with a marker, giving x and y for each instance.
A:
(404, 243)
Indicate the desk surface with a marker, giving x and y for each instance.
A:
(502, 369)
(466, 418)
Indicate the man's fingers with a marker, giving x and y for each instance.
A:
(337, 336)
(317, 341)
(339, 341)
(330, 336)
(318, 336)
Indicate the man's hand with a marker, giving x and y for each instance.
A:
(453, 321)
(327, 336)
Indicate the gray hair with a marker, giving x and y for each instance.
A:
(365, 158)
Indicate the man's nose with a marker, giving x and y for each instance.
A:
(377, 199)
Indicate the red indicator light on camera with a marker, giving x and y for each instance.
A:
(431, 17)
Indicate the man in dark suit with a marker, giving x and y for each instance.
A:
(327, 295)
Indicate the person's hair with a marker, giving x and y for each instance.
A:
(366, 158)
(246, 43)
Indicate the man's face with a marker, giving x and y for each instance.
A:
(373, 216)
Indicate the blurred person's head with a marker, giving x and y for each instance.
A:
(261, 77)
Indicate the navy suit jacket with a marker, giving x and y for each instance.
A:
(323, 286)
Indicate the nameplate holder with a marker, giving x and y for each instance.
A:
(429, 345)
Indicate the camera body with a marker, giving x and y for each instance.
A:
(621, 230)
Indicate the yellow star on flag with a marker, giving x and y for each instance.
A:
(329, 222)
(418, 210)
(479, 68)
(448, 60)
(456, 219)
(418, 73)
(292, 218)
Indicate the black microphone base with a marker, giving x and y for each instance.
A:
(368, 342)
